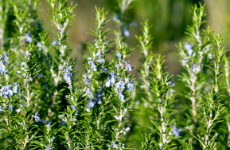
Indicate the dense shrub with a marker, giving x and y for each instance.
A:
(46, 105)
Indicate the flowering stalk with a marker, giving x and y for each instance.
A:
(25, 106)
(194, 56)
(61, 18)
(123, 87)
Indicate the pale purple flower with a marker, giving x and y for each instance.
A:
(184, 62)
(134, 23)
(128, 66)
(194, 69)
(188, 47)
(3, 67)
(112, 80)
(36, 117)
(122, 85)
(63, 123)
(105, 70)
(118, 84)
(10, 92)
(55, 43)
(177, 131)
(6, 58)
(126, 31)
(94, 67)
(18, 110)
(116, 117)
(87, 81)
(100, 59)
(90, 104)
(115, 145)
(111, 73)
(98, 94)
(15, 88)
(172, 83)
(89, 93)
(45, 122)
(115, 17)
(107, 83)
(48, 148)
(119, 55)
(11, 108)
(131, 86)
(39, 44)
(67, 77)
(99, 101)
(28, 38)
(121, 96)
(6, 90)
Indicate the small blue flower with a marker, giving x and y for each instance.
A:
(67, 77)
(48, 148)
(194, 69)
(89, 93)
(99, 101)
(101, 60)
(126, 31)
(28, 38)
(128, 66)
(10, 92)
(119, 55)
(115, 17)
(172, 83)
(3, 67)
(40, 46)
(94, 67)
(131, 86)
(18, 110)
(45, 122)
(15, 89)
(177, 131)
(188, 47)
(55, 43)
(122, 85)
(184, 62)
(86, 80)
(117, 85)
(11, 108)
(134, 23)
(36, 117)
(121, 96)
(91, 104)
(6, 90)
(112, 80)
(99, 93)
(6, 57)
(105, 70)
(115, 145)
(107, 83)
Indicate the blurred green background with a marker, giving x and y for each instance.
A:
(169, 19)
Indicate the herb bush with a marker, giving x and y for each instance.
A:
(44, 104)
